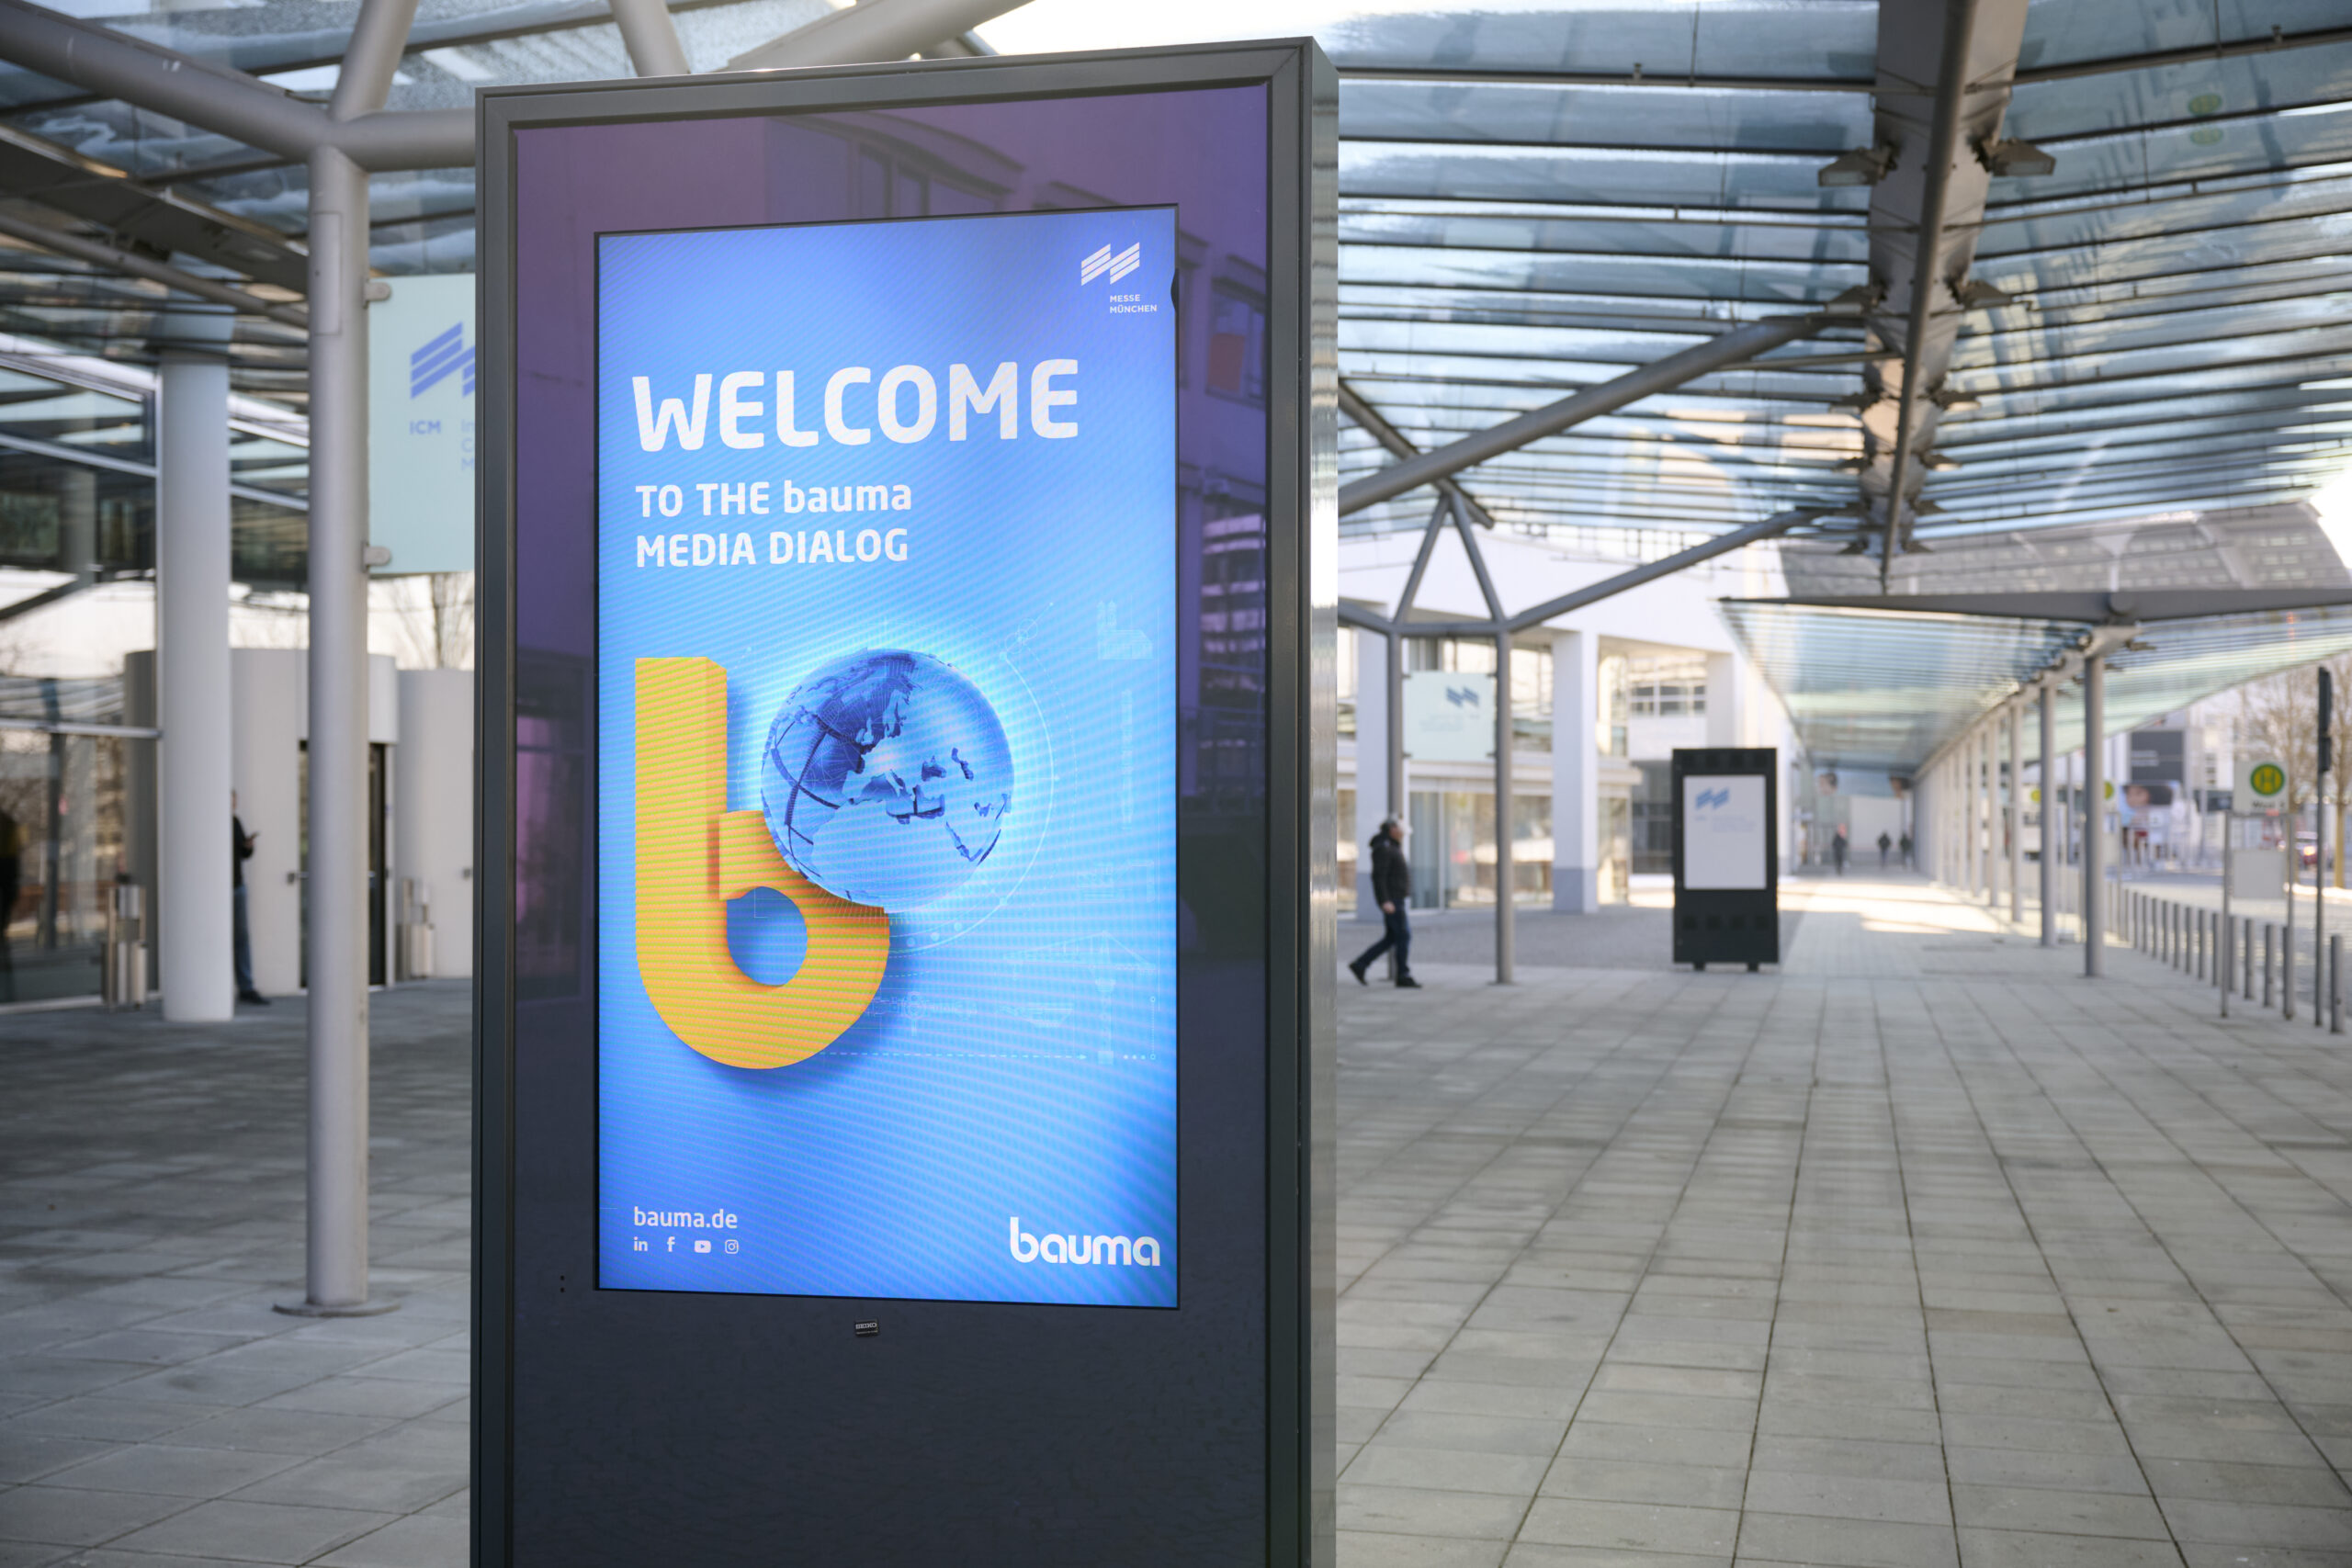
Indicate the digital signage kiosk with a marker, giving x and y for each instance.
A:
(904, 1052)
(1727, 855)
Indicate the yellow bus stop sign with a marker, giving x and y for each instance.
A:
(2264, 784)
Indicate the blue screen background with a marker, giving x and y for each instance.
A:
(1019, 1059)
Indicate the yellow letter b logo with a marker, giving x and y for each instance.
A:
(693, 856)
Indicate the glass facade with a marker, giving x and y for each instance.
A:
(62, 847)
(1451, 845)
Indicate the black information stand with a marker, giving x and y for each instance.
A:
(1726, 856)
(698, 1340)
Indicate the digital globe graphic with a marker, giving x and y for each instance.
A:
(885, 779)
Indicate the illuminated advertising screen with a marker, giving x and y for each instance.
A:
(886, 672)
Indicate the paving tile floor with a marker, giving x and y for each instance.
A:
(154, 1411)
(1922, 1250)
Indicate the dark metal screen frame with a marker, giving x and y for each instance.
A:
(1302, 596)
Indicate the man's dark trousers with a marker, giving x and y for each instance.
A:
(1397, 932)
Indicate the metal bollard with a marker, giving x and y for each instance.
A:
(2222, 960)
(123, 976)
(2336, 985)
(2287, 974)
(2269, 946)
(2246, 926)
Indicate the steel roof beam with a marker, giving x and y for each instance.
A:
(1373, 424)
(1664, 375)
(872, 30)
(231, 104)
(154, 271)
(162, 221)
(103, 61)
(2092, 608)
(650, 36)
(1471, 76)
(1924, 214)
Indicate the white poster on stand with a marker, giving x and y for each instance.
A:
(1724, 831)
(1449, 716)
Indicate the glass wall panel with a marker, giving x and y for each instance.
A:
(61, 849)
(1451, 845)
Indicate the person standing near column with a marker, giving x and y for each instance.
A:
(241, 848)
(1392, 883)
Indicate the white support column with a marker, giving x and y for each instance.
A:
(1960, 799)
(2094, 814)
(1992, 812)
(1505, 911)
(1956, 818)
(338, 703)
(2049, 836)
(1727, 701)
(192, 760)
(1972, 760)
(2015, 821)
(1988, 764)
(1941, 867)
(1576, 772)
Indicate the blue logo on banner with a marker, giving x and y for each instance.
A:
(445, 357)
(1712, 797)
(1462, 696)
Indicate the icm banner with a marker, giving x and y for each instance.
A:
(1723, 831)
(420, 424)
(886, 684)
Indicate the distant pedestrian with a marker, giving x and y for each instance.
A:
(1392, 888)
(1885, 844)
(1837, 847)
(1903, 847)
(240, 849)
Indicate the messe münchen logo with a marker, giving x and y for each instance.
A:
(1103, 261)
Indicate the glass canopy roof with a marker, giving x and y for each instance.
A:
(1536, 197)
(1886, 688)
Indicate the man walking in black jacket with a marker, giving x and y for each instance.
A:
(1392, 886)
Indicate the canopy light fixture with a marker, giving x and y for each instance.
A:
(1860, 299)
(1954, 403)
(1974, 295)
(1938, 462)
(1853, 465)
(1864, 399)
(2012, 158)
(1862, 166)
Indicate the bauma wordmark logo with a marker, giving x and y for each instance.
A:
(1141, 1251)
(446, 356)
(1708, 797)
(1103, 261)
